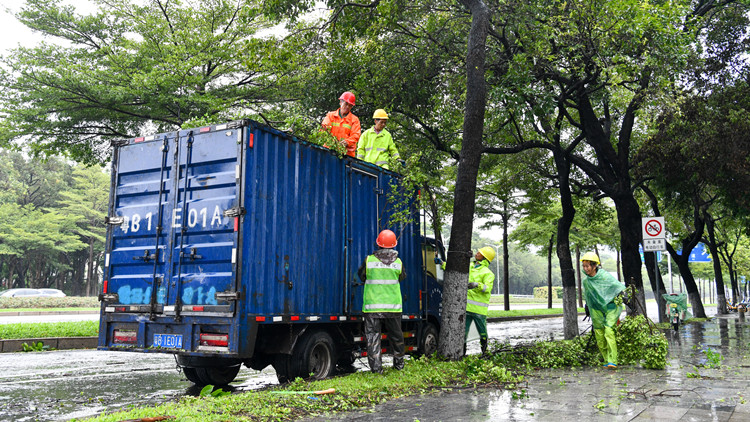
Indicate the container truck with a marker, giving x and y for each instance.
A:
(236, 244)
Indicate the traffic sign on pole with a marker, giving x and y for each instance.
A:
(654, 236)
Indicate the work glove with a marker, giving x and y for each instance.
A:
(588, 315)
(473, 285)
(438, 261)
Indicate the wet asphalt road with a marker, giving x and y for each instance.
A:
(61, 385)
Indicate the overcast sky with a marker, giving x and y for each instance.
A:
(15, 33)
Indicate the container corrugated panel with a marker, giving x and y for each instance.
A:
(293, 253)
(312, 218)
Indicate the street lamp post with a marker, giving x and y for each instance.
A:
(497, 267)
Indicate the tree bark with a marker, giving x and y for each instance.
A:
(452, 339)
(657, 284)
(549, 271)
(687, 278)
(570, 310)
(721, 296)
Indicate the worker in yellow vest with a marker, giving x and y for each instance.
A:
(376, 144)
(481, 280)
(382, 273)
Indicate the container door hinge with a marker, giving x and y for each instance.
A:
(234, 212)
(109, 297)
(228, 296)
(114, 221)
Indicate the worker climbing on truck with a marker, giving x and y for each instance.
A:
(343, 124)
(382, 273)
(481, 279)
(376, 144)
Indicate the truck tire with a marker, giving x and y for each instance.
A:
(314, 356)
(191, 374)
(217, 376)
(428, 344)
(282, 366)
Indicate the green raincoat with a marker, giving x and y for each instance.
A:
(600, 291)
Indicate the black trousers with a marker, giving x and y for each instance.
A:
(392, 327)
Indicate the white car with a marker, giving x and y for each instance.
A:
(33, 293)
(52, 293)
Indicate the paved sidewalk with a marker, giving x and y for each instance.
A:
(682, 392)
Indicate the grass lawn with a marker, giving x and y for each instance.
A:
(49, 329)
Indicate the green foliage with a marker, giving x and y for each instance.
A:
(36, 347)
(48, 302)
(51, 223)
(713, 358)
(541, 292)
(133, 66)
(639, 343)
(49, 329)
(577, 352)
(212, 391)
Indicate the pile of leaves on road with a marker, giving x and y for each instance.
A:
(639, 342)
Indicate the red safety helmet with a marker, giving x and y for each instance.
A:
(387, 239)
(348, 97)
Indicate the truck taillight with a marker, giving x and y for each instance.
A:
(209, 339)
(124, 337)
(106, 285)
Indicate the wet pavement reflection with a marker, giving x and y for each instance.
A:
(684, 391)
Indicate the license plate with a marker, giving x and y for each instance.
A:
(171, 341)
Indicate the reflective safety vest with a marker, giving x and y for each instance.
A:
(478, 298)
(377, 148)
(344, 128)
(382, 288)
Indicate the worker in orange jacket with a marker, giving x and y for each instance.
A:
(343, 124)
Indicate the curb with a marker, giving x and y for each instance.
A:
(59, 343)
(518, 318)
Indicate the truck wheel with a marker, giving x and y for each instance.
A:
(314, 356)
(429, 342)
(281, 365)
(191, 374)
(217, 376)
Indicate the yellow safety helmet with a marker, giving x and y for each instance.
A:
(488, 252)
(591, 256)
(380, 114)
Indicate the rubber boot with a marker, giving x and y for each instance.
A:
(483, 343)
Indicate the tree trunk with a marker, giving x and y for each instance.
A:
(721, 298)
(570, 310)
(687, 278)
(90, 269)
(456, 275)
(629, 222)
(549, 271)
(657, 284)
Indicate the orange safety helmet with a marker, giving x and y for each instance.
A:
(348, 97)
(387, 239)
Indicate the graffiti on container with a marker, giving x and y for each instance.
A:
(190, 296)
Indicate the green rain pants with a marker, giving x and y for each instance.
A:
(481, 322)
(604, 324)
